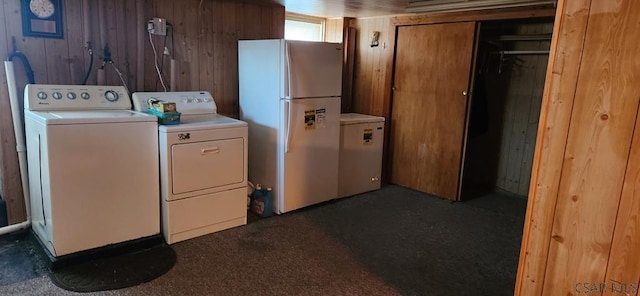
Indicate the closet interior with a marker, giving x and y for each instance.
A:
(509, 78)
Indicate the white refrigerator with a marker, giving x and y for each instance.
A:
(290, 97)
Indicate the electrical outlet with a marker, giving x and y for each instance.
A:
(157, 26)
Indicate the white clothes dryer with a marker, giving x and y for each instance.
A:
(203, 166)
(93, 169)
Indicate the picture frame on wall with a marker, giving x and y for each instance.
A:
(42, 18)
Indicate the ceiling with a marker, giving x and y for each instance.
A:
(346, 8)
(372, 8)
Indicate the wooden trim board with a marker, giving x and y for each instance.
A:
(482, 15)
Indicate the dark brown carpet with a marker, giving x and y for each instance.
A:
(393, 241)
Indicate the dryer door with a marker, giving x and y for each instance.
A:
(205, 165)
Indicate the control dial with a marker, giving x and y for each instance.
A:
(57, 95)
(111, 96)
(85, 95)
(71, 96)
(42, 95)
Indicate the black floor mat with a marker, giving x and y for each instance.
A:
(115, 272)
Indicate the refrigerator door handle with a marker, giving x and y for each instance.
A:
(287, 68)
(287, 139)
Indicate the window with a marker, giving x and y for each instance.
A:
(303, 27)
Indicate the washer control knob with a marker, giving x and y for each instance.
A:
(57, 95)
(71, 95)
(42, 95)
(85, 96)
(111, 96)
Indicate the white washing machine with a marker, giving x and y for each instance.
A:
(361, 142)
(93, 169)
(203, 167)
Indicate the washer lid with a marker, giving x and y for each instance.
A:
(355, 118)
(81, 117)
(202, 122)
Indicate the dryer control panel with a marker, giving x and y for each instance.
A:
(187, 102)
(49, 97)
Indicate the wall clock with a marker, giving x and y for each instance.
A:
(42, 18)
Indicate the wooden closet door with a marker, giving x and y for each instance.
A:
(428, 120)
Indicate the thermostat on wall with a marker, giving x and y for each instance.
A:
(42, 18)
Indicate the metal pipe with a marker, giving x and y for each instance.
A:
(524, 52)
(529, 37)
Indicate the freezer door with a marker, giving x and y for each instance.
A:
(360, 157)
(310, 153)
(313, 69)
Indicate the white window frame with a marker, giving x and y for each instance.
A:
(307, 19)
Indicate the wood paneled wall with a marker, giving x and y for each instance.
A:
(207, 34)
(205, 38)
(333, 30)
(371, 66)
(581, 231)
